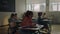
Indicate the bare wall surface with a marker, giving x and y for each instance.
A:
(20, 8)
(55, 17)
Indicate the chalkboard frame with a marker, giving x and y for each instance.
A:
(7, 5)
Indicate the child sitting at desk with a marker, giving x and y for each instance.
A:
(41, 22)
(27, 23)
(12, 23)
(27, 20)
(39, 19)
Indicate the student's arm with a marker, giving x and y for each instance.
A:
(12, 24)
(24, 22)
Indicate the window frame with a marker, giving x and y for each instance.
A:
(54, 3)
(32, 7)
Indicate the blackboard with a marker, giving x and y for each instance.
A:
(7, 5)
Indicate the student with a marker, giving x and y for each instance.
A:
(45, 22)
(27, 23)
(41, 22)
(44, 16)
(39, 19)
(12, 23)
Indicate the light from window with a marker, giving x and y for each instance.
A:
(28, 7)
(42, 7)
(59, 6)
(54, 6)
(36, 7)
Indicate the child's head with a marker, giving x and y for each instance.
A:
(39, 13)
(44, 14)
(14, 15)
(29, 13)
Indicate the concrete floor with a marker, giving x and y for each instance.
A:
(3, 30)
(55, 29)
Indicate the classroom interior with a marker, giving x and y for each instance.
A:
(50, 7)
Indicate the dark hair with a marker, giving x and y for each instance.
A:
(44, 13)
(28, 13)
(39, 13)
(13, 14)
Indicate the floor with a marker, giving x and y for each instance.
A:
(55, 29)
(3, 30)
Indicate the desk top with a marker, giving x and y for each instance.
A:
(47, 20)
(29, 28)
(33, 28)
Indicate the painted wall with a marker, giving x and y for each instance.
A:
(55, 17)
(20, 8)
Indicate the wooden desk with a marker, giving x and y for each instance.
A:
(36, 30)
(29, 28)
(37, 27)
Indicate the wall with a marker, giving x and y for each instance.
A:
(20, 8)
(55, 17)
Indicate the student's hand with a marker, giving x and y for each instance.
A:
(34, 24)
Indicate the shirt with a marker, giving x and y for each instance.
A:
(12, 22)
(40, 21)
(27, 21)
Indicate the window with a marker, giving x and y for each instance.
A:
(28, 7)
(58, 6)
(42, 6)
(54, 6)
(36, 7)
